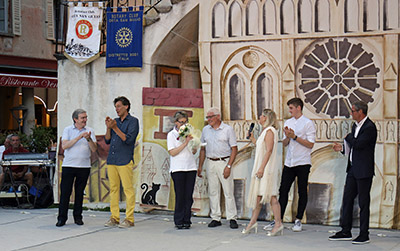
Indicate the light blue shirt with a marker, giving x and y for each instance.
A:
(219, 141)
(77, 155)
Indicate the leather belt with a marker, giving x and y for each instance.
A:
(219, 159)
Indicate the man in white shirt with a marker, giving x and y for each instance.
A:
(3, 148)
(219, 153)
(6, 145)
(299, 138)
(78, 141)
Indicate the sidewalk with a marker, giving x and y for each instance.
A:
(35, 229)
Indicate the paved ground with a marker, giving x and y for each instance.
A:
(22, 229)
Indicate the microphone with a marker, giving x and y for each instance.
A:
(250, 130)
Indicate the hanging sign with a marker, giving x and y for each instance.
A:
(84, 33)
(124, 40)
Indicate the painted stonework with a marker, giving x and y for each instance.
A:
(329, 53)
(254, 54)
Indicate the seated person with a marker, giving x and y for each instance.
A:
(18, 172)
(5, 145)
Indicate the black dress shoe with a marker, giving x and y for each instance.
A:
(340, 236)
(214, 223)
(233, 224)
(79, 222)
(361, 240)
(179, 226)
(186, 226)
(60, 223)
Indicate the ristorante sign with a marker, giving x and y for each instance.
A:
(11, 80)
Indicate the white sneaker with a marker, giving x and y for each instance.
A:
(297, 226)
(270, 226)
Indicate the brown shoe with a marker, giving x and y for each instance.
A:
(111, 223)
(126, 223)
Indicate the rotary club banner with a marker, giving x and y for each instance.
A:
(84, 32)
(124, 40)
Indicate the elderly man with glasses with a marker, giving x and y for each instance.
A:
(219, 153)
(359, 145)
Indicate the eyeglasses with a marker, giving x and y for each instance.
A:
(182, 122)
(211, 116)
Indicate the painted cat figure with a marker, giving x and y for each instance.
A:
(149, 196)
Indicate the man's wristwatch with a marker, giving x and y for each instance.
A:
(295, 137)
(229, 166)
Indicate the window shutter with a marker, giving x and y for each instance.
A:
(49, 20)
(16, 17)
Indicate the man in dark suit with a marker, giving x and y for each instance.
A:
(360, 170)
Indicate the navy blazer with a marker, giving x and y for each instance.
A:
(363, 148)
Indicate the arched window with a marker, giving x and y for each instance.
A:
(252, 18)
(322, 16)
(287, 17)
(305, 16)
(236, 97)
(371, 15)
(269, 18)
(351, 13)
(391, 17)
(218, 21)
(235, 20)
(264, 92)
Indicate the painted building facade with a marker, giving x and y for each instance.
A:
(254, 54)
(28, 69)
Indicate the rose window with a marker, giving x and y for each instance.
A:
(336, 74)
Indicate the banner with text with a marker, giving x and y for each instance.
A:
(84, 33)
(15, 80)
(124, 40)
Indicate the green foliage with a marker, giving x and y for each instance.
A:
(41, 138)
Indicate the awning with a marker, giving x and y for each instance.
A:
(14, 80)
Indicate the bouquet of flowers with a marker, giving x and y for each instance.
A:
(186, 130)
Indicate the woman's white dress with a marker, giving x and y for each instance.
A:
(269, 184)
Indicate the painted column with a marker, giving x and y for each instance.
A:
(390, 139)
(288, 92)
(29, 102)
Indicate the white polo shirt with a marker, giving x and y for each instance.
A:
(183, 161)
(297, 154)
(219, 141)
(79, 154)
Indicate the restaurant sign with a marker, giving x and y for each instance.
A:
(12, 80)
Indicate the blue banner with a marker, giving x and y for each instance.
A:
(124, 40)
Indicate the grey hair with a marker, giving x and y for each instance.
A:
(180, 114)
(214, 110)
(9, 136)
(361, 105)
(75, 114)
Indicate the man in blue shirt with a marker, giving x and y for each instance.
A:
(121, 135)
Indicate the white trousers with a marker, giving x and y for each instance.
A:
(215, 176)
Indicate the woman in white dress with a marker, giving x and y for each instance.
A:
(266, 174)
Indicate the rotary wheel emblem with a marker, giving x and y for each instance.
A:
(336, 74)
(124, 37)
